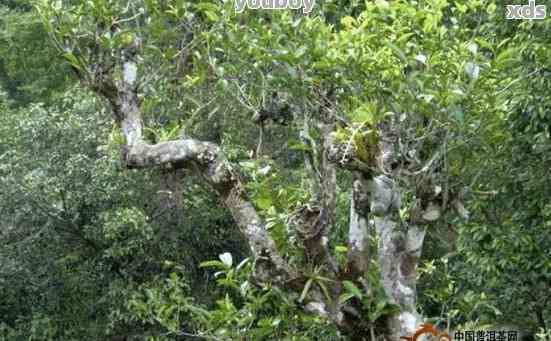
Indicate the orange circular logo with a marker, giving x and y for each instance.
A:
(427, 328)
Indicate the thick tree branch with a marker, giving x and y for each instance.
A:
(315, 221)
(358, 232)
(208, 159)
(376, 198)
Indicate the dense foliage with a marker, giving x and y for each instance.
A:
(94, 248)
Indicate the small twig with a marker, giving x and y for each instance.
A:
(517, 80)
(350, 141)
(127, 19)
(260, 140)
(244, 99)
(206, 337)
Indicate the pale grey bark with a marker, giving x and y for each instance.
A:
(375, 196)
(314, 221)
(399, 248)
(358, 231)
(399, 241)
(208, 159)
(376, 203)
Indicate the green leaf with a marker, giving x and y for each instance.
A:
(73, 60)
(264, 202)
(341, 249)
(305, 290)
(324, 290)
(345, 297)
(212, 16)
(212, 264)
(353, 289)
(399, 52)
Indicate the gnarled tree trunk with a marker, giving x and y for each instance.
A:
(375, 202)
(399, 248)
